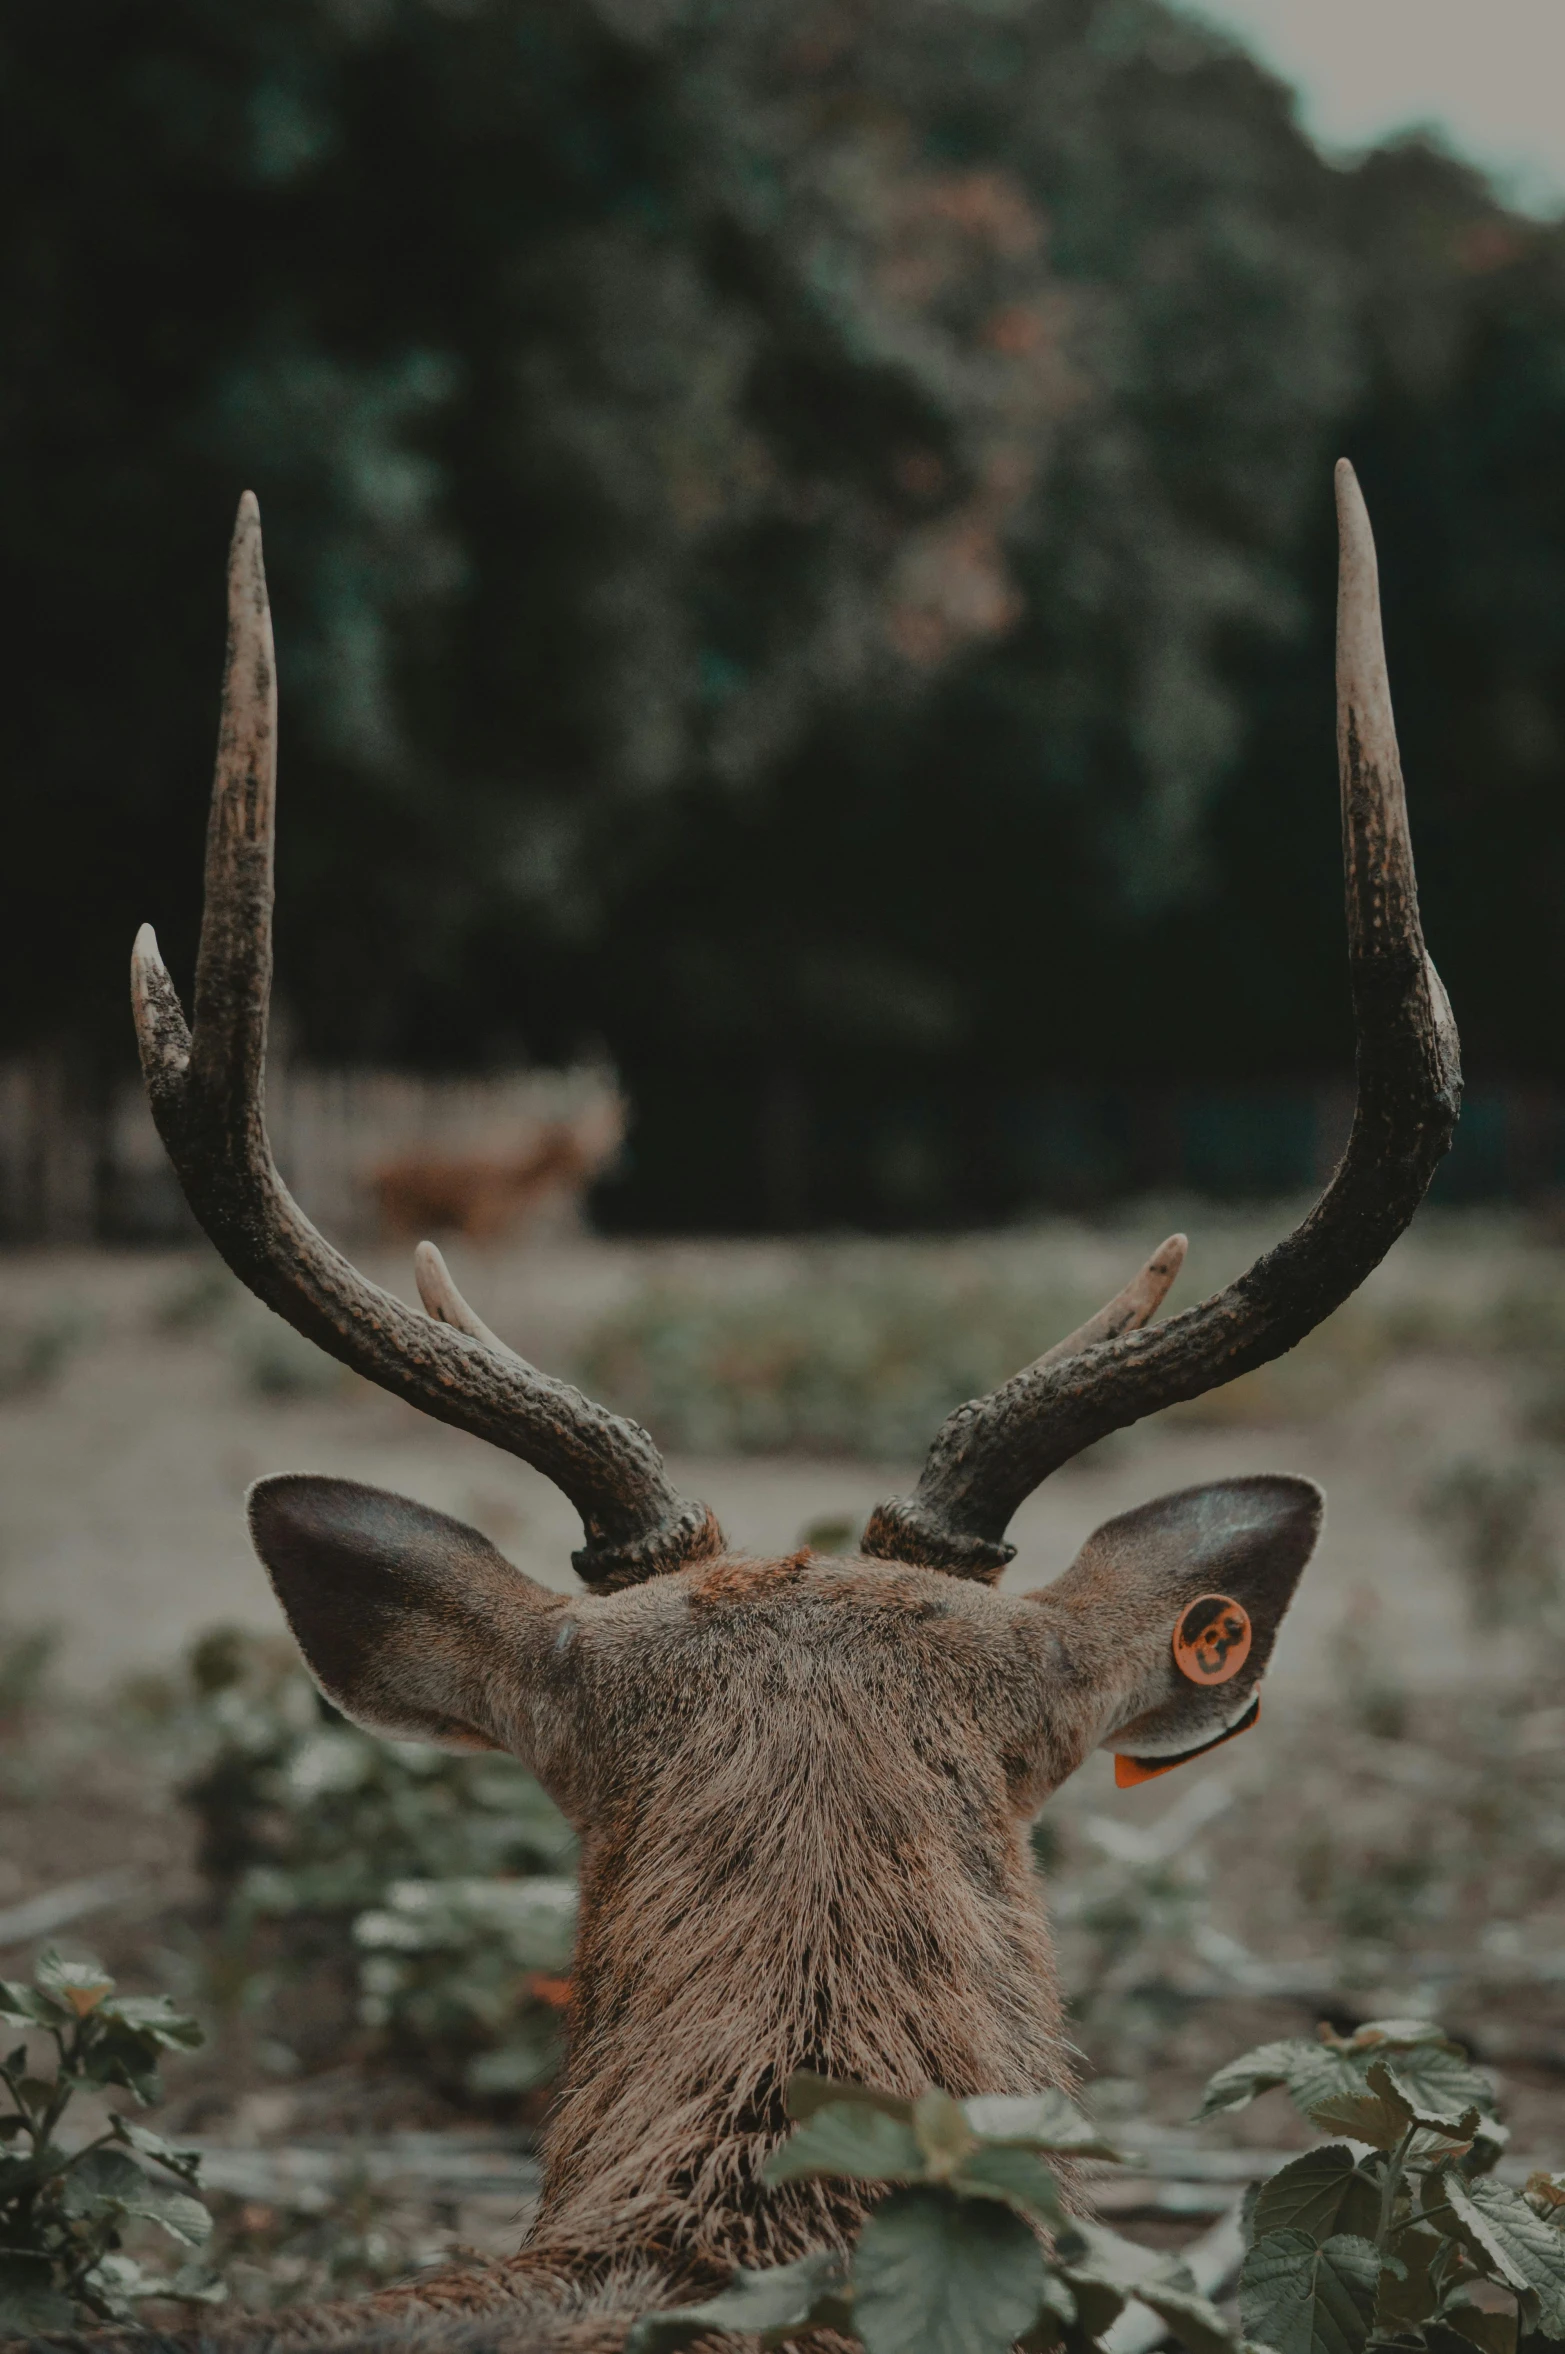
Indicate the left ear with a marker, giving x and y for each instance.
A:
(411, 1623)
(1162, 1676)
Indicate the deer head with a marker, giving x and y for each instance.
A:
(802, 1785)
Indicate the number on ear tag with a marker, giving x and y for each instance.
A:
(1212, 1640)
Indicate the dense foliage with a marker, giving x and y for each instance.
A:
(440, 1887)
(800, 535)
(66, 2204)
(1382, 2237)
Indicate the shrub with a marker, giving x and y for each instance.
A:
(64, 2212)
(1383, 2234)
(442, 1883)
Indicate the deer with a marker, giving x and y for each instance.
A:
(803, 1786)
(485, 1195)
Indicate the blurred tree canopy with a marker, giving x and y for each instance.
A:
(800, 533)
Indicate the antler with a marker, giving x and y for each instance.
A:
(206, 1088)
(992, 1453)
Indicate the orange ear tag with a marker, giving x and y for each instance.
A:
(1211, 1644)
(1212, 1640)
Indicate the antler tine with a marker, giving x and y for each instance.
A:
(206, 1091)
(1140, 1300)
(992, 1453)
(445, 1303)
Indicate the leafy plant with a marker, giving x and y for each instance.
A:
(972, 2248)
(64, 2213)
(1383, 2236)
(465, 1963)
(441, 1883)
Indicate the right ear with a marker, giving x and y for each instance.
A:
(411, 1624)
(1115, 1621)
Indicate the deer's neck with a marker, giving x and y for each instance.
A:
(864, 1923)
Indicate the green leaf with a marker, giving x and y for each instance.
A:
(770, 2305)
(1405, 2300)
(1447, 2130)
(1492, 2333)
(943, 2134)
(1436, 2076)
(109, 2182)
(1043, 2121)
(1384, 2112)
(849, 2138)
(1098, 2306)
(1094, 2253)
(1105, 2272)
(1194, 2320)
(1018, 2177)
(1237, 2084)
(102, 2178)
(1311, 2071)
(1298, 2298)
(154, 2015)
(21, 2007)
(1321, 2194)
(119, 2055)
(184, 2218)
(938, 2275)
(186, 2163)
(808, 2093)
(1516, 2245)
(1376, 2113)
(29, 2301)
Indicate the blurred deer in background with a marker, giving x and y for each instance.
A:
(803, 1786)
(486, 1195)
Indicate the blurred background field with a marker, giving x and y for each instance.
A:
(801, 541)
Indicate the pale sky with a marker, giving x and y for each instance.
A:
(1489, 74)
